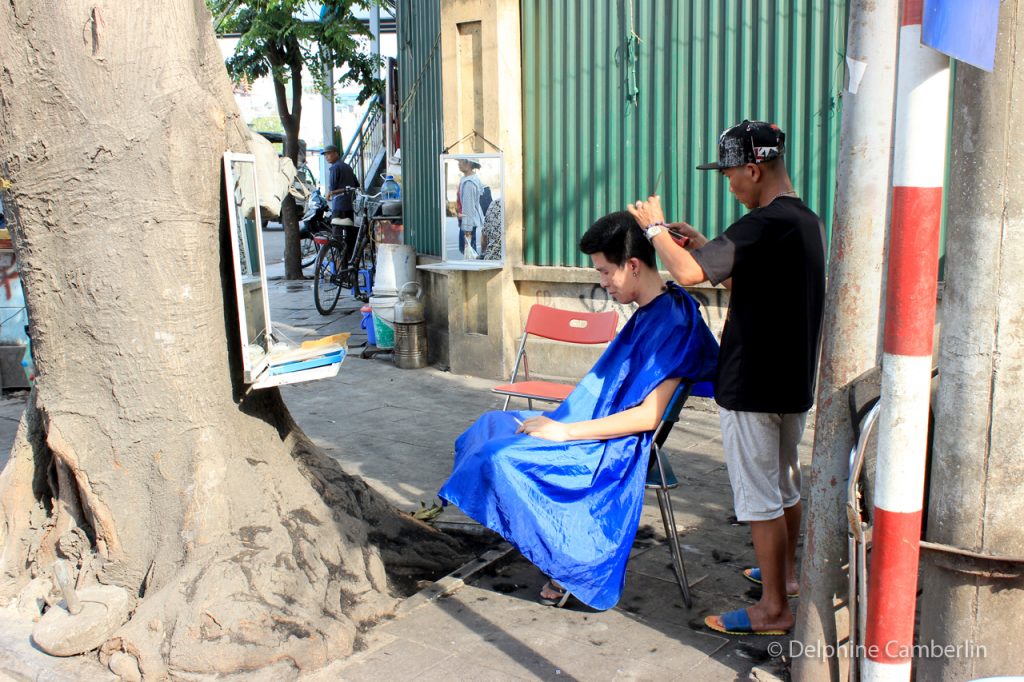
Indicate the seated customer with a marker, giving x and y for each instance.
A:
(566, 488)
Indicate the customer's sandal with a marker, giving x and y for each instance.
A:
(754, 576)
(559, 601)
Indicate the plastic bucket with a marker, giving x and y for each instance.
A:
(396, 265)
(384, 320)
(367, 324)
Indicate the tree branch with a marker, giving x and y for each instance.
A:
(277, 62)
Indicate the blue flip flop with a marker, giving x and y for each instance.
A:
(738, 623)
(754, 576)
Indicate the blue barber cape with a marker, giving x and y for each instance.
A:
(573, 508)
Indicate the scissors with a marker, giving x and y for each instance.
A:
(681, 239)
(657, 184)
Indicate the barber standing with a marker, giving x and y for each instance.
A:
(773, 260)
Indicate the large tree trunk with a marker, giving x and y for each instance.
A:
(142, 458)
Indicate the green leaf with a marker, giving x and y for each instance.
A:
(427, 514)
(273, 36)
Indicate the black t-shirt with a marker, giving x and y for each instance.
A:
(776, 258)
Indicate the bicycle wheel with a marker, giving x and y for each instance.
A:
(326, 286)
(307, 250)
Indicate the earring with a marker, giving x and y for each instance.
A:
(636, 274)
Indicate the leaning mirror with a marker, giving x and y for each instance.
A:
(473, 210)
(247, 252)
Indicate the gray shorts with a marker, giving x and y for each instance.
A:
(761, 456)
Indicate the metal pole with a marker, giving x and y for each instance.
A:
(327, 109)
(922, 96)
(977, 607)
(850, 343)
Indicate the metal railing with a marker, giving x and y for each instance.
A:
(365, 147)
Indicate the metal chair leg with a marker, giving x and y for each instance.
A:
(669, 519)
(852, 606)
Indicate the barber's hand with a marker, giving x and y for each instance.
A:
(647, 212)
(692, 239)
(543, 427)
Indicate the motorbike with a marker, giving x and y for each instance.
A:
(316, 220)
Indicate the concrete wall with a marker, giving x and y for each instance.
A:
(481, 79)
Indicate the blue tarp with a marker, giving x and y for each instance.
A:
(573, 508)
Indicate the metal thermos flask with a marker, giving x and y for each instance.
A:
(410, 328)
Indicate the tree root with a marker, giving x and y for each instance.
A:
(404, 542)
(76, 497)
(279, 578)
(25, 501)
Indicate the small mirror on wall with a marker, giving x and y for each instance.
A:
(473, 210)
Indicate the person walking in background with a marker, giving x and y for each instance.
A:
(470, 211)
(773, 260)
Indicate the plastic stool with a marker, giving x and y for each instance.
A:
(363, 276)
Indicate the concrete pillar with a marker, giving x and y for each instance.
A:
(978, 457)
(481, 82)
(851, 325)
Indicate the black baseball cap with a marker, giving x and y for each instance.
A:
(748, 142)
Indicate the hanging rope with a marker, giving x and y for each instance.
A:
(472, 133)
(469, 134)
(481, 136)
(632, 57)
(405, 105)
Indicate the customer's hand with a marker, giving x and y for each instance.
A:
(546, 428)
(647, 212)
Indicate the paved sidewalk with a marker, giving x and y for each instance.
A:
(396, 428)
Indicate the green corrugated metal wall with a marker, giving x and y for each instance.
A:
(699, 66)
(419, 54)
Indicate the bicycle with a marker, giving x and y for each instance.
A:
(333, 272)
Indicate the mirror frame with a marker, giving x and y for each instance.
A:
(250, 370)
(460, 264)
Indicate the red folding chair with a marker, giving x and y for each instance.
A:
(557, 325)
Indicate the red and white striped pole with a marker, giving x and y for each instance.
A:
(922, 104)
